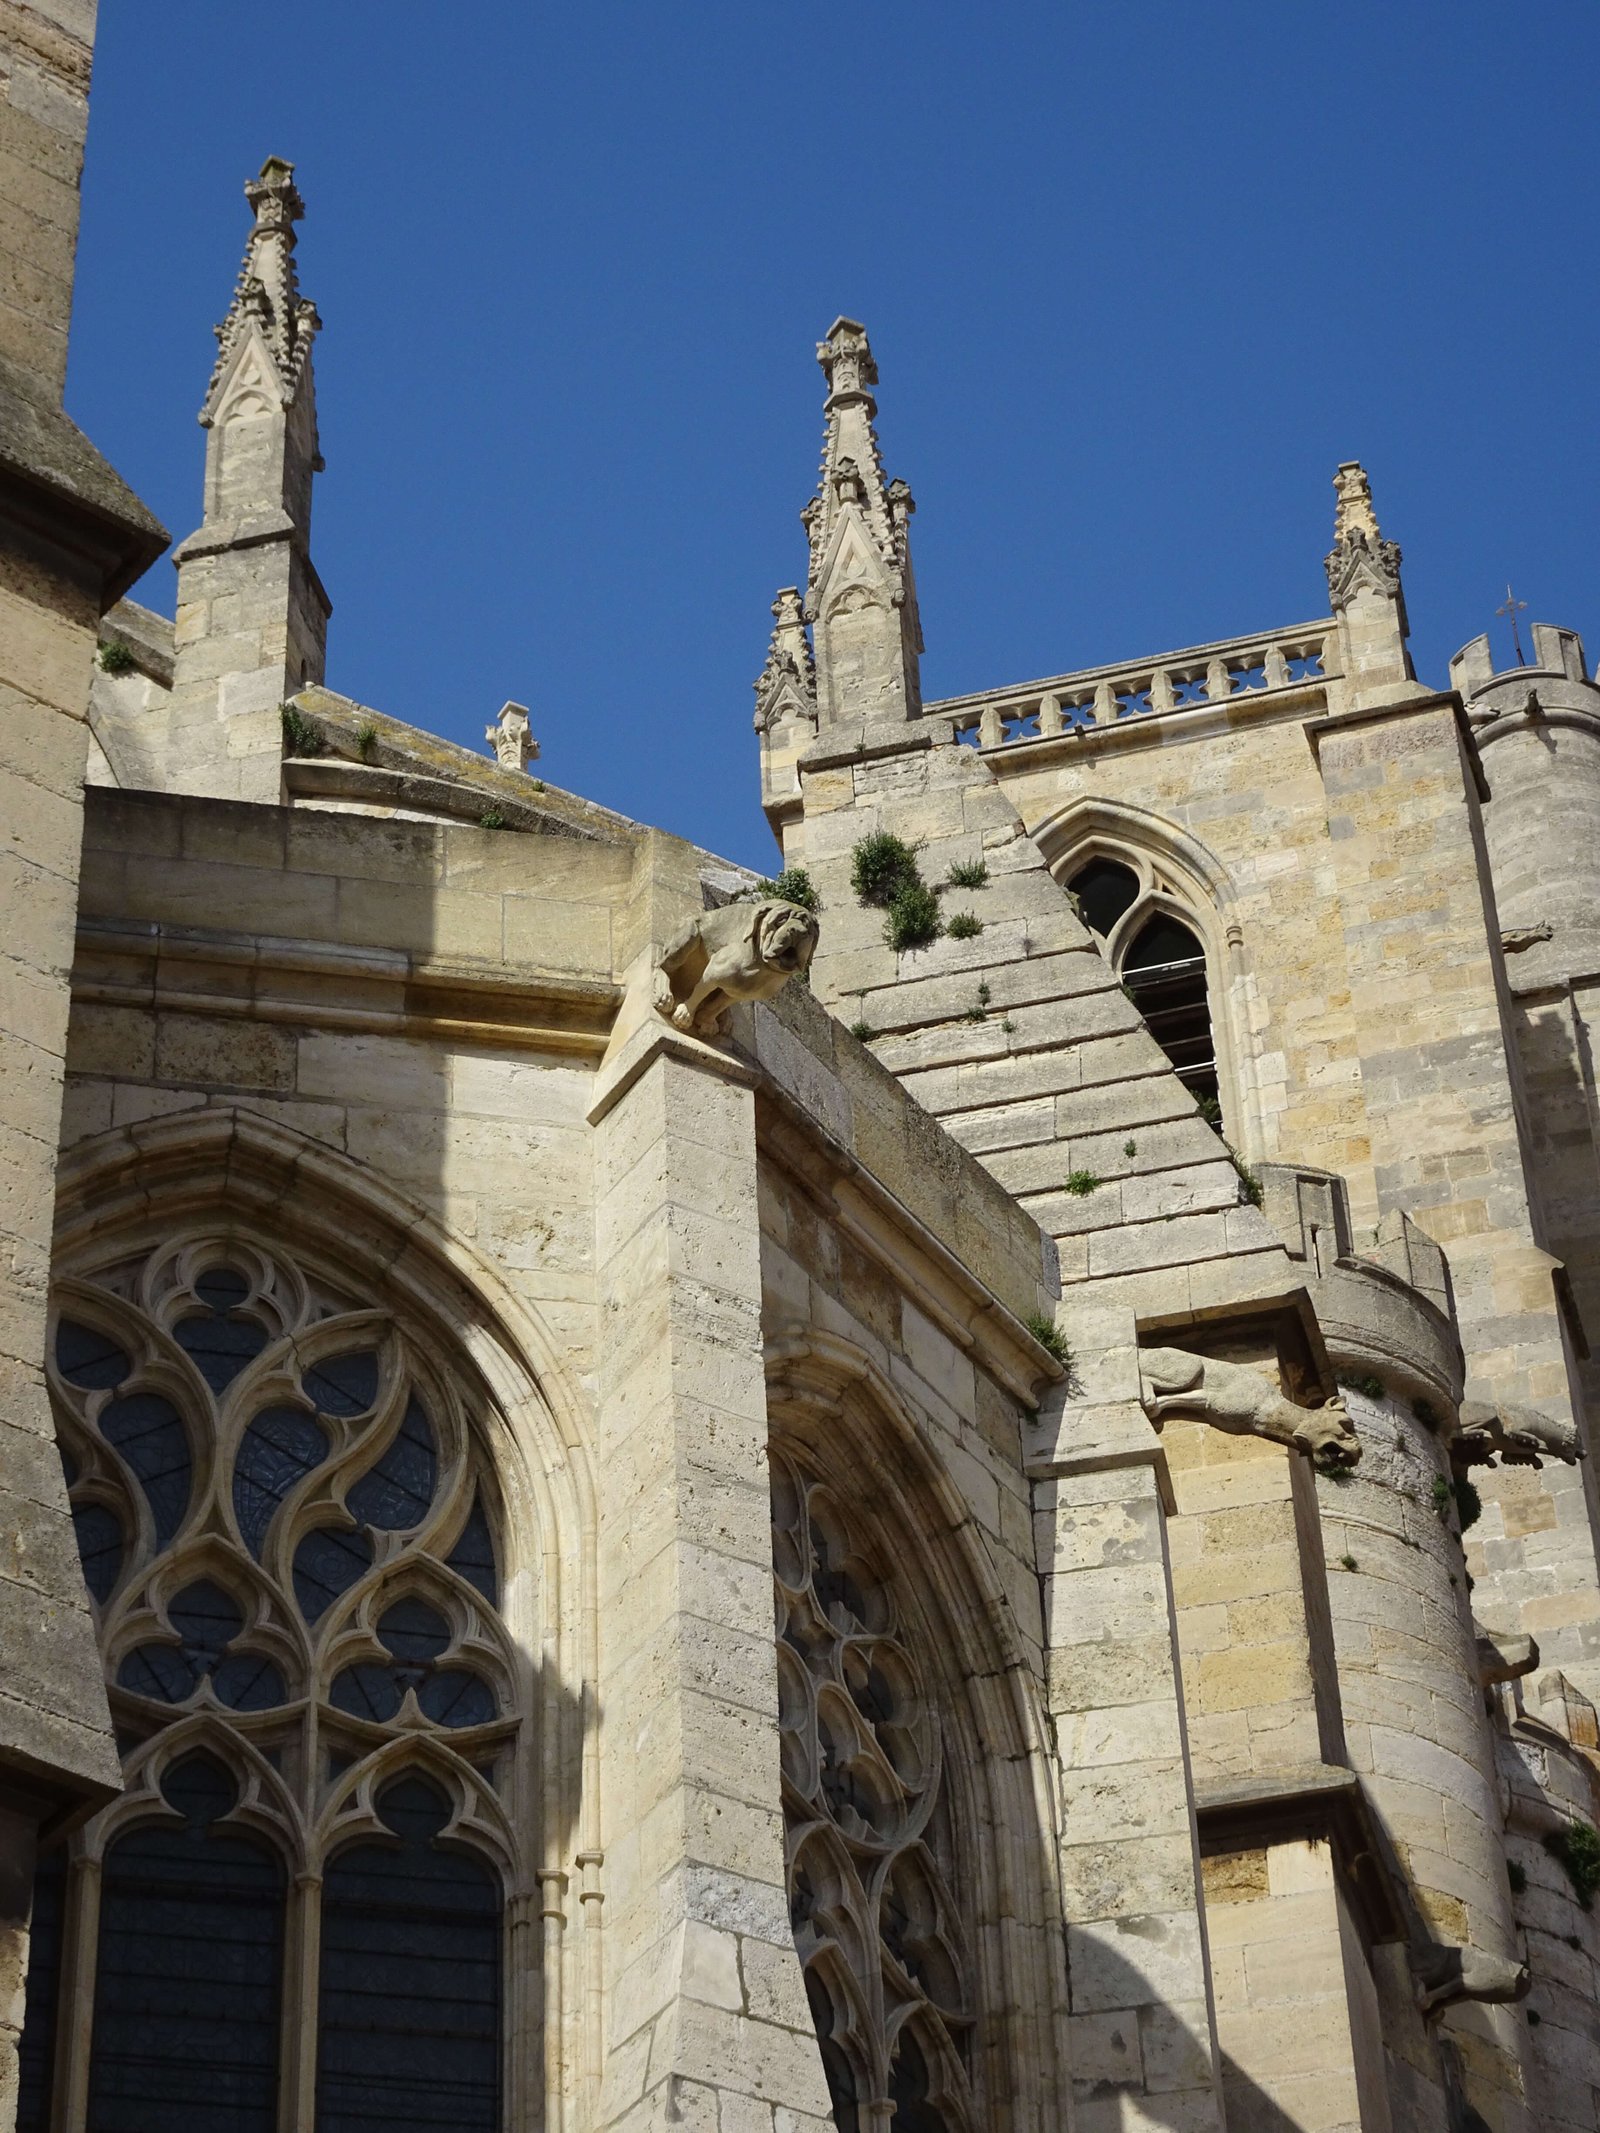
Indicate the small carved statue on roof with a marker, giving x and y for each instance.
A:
(510, 738)
(742, 952)
(1232, 1397)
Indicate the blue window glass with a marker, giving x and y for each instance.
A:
(281, 1446)
(87, 1359)
(344, 1385)
(145, 1428)
(409, 2032)
(416, 1636)
(100, 1545)
(472, 1557)
(187, 1981)
(220, 1342)
(207, 1620)
(395, 1493)
(326, 1563)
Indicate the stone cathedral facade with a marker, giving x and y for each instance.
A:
(946, 1492)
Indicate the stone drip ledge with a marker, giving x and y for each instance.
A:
(380, 991)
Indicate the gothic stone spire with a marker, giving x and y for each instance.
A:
(267, 313)
(252, 613)
(786, 688)
(860, 592)
(1365, 593)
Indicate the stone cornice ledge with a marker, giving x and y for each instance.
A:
(884, 1228)
(384, 991)
(1322, 1803)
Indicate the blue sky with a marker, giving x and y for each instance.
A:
(1138, 275)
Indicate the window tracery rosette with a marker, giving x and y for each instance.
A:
(287, 1525)
(868, 1842)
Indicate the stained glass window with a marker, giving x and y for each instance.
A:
(287, 1521)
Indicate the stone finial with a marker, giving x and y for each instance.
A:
(846, 358)
(266, 298)
(511, 739)
(786, 687)
(1360, 557)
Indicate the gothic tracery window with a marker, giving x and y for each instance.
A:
(869, 1852)
(287, 1521)
(1160, 959)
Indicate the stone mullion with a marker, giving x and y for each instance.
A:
(302, 1959)
(80, 1947)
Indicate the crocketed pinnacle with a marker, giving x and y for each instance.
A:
(267, 293)
(852, 469)
(1359, 557)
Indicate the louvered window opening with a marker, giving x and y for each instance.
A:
(286, 1519)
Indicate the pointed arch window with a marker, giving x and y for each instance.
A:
(289, 1525)
(1159, 954)
(871, 1869)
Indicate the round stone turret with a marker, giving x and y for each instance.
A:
(1538, 733)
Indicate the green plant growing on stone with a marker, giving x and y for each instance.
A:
(1427, 1415)
(968, 874)
(863, 1032)
(963, 925)
(1469, 1504)
(1080, 1183)
(1369, 1387)
(367, 741)
(115, 658)
(1130, 1148)
(1249, 1183)
(1050, 1337)
(1577, 1848)
(301, 735)
(537, 784)
(1335, 1471)
(1208, 1106)
(1008, 1025)
(793, 886)
(979, 1010)
(914, 919)
(1348, 1562)
(1442, 1497)
(881, 866)
(492, 819)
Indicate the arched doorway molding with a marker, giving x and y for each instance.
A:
(830, 1402)
(1181, 877)
(229, 1173)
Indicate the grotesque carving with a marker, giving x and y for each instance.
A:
(1446, 1974)
(1241, 1401)
(742, 952)
(1503, 1655)
(511, 738)
(1517, 1435)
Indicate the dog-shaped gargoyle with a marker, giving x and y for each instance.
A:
(742, 952)
(1232, 1397)
(1519, 1436)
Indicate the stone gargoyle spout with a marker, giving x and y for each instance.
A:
(1519, 1436)
(745, 951)
(1240, 1400)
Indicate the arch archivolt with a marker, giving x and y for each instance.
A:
(325, 1264)
(918, 1794)
(1179, 875)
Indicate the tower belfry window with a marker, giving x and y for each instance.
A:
(1160, 959)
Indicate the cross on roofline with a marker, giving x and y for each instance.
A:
(1511, 607)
